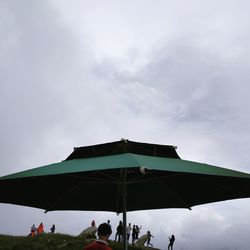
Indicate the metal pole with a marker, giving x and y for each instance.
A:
(124, 209)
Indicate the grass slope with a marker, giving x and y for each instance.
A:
(52, 241)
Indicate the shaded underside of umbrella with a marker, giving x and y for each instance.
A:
(97, 178)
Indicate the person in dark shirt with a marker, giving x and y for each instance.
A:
(133, 235)
(119, 232)
(103, 232)
(171, 242)
(52, 229)
(149, 236)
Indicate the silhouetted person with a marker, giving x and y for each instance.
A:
(149, 235)
(103, 232)
(93, 223)
(52, 230)
(119, 232)
(133, 234)
(137, 231)
(171, 242)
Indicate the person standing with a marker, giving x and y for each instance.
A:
(33, 230)
(103, 232)
(93, 223)
(137, 230)
(40, 229)
(129, 228)
(133, 235)
(93, 228)
(119, 232)
(149, 236)
(108, 221)
(52, 229)
(171, 242)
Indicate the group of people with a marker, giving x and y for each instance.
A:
(104, 231)
(134, 231)
(40, 229)
(171, 240)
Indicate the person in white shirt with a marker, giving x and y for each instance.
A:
(129, 228)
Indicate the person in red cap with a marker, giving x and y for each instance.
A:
(103, 232)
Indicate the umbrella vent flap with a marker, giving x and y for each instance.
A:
(124, 146)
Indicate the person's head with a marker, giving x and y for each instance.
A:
(104, 231)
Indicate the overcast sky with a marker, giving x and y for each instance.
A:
(75, 73)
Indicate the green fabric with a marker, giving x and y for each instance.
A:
(127, 160)
(98, 184)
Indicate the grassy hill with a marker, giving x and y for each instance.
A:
(53, 241)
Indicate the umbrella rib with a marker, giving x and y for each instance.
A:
(60, 198)
(183, 201)
(172, 190)
(155, 178)
(223, 187)
(134, 180)
(95, 179)
(161, 179)
(110, 176)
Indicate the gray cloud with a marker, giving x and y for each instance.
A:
(40, 67)
(79, 74)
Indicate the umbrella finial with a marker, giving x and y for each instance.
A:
(124, 140)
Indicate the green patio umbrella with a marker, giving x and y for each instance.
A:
(123, 176)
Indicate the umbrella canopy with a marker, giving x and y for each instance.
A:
(98, 173)
(123, 176)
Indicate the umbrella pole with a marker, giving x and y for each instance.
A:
(124, 209)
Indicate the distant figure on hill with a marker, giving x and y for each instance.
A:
(129, 228)
(108, 221)
(137, 230)
(90, 231)
(149, 235)
(171, 242)
(119, 232)
(33, 230)
(40, 229)
(93, 223)
(133, 235)
(103, 231)
(52, 229)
